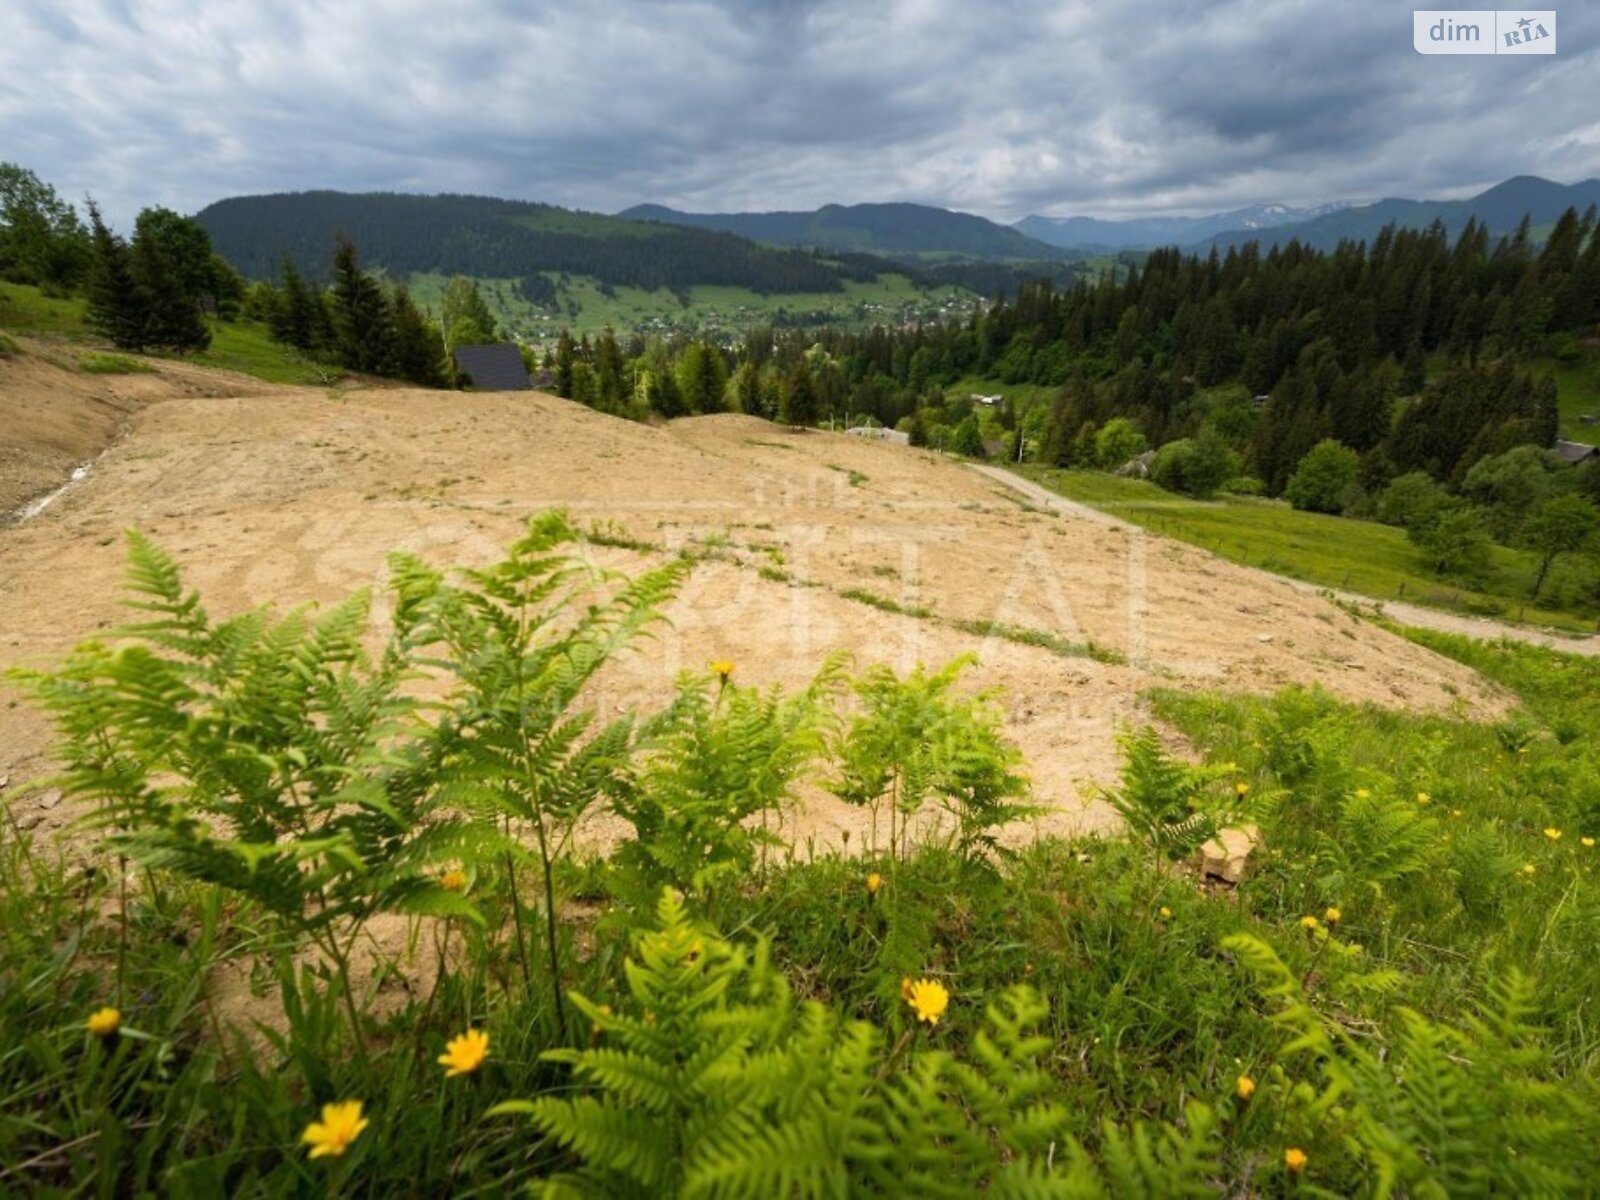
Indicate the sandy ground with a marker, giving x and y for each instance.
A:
(283, 495)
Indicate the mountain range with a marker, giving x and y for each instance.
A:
(896, 230)
(1145, 233)
(925, 233)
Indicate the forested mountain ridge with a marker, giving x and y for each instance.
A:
(1147, 233)
(896, 230)
(1500, 209)
(485, 237)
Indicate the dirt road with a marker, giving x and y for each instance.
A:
(1395, 610)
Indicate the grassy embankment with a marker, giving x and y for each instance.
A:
(1335, 552)
(243, 346)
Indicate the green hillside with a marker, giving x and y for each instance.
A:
(918, 231)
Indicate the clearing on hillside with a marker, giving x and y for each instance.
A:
(808, 542)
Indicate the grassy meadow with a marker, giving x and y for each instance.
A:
(1335, 552)
(314, 938)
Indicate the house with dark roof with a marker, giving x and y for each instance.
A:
(496, 368)
(1574, 453)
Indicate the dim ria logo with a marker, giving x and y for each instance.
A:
(1484, 31)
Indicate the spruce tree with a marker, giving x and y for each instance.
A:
(362, 319)
(173, 318)
(117, 306)
(418, 345)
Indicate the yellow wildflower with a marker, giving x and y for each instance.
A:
(1165, 913)
(1552, 833)
(1295, 1159)
(928, 998)
(1309, 923)
(1456, 813)
(1362, 793)
(341, 1124)
(1423, 797)
(104, 1022)
(722, 668)
(1528, 868)
(1332, 916)
(1586, 842)
(465, 1054)
(453, 880)
(874, 882)
(1242, 788)
(1245, 1087)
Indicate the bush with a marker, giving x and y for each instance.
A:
(1118, 440)
(1195, 466)
(1453, 541)
(1322, 481)
(1411, 500)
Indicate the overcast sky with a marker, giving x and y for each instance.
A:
(998, 108)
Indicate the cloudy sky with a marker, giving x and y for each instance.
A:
(998, 108)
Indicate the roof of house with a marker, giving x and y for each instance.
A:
(1575, 452)
(496, 368)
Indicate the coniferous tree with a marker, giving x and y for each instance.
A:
(361, 315)
(565, 356)
(798, 404)
(172, 316)
(117, 305)
(418, 347)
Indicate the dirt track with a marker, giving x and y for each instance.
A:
(283, 495)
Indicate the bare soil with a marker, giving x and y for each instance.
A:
(279, 495)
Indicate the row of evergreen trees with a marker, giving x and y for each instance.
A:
(356, 322)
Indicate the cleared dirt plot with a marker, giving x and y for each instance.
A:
(806, 543)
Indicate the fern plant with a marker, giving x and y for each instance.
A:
(715, 762)
(269, 757)
(1173, 808)
(711, 1082)
(519, 641)
(1437, 1110)
(916, 740)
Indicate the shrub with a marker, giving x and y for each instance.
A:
(1324, 477)
(1117, 441)
(1412, 499)
(1197, 466)
(1453, 541)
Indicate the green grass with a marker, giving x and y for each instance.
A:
(28, 310)
(113, 364)
(1335, 552)
(242, 346)
(247, 347)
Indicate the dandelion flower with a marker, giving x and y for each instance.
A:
(1586, 842)
(1295, 1159)
(1528, 868)
(722, 668)
(1456, 813)
(874, 882)
(1165, 913)
(1552, 833)
(1245, 1087)
(1332, 916)
(341, 1124)
(1362, 793)
(465, 1054)
(1423, 798)
(454, 880)
(928, 998)
(104, 1022)
(1241, 788)
(1309, 923)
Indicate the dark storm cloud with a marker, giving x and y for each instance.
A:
(998, 108)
